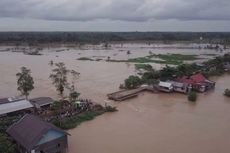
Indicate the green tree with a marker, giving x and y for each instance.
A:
(6, 146)
(192, 96)
(25, 81)
(59, 77)
(132, 82)
(73, 96)
(227, 92)
(73, 93)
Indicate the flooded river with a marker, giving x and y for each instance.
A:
(150, 123)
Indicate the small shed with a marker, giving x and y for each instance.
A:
(41, 102)
(33, 135)
(165, 86)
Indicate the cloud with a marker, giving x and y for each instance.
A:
(125, 10)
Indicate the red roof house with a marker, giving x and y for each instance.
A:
(198, 82)
(198, 78)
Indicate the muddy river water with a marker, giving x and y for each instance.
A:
(150, 123)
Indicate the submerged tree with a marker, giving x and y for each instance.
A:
(73, 93)
(132, 82)
(25, 81)
(51, 63)
(59, 77)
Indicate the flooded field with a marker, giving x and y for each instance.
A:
(150, 123)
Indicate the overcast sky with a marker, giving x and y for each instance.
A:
(114, 15)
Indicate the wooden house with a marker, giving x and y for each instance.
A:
(33, 135)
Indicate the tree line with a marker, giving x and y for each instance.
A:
(100, 37)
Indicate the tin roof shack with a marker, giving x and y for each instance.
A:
(14, 105)
(198, 82)
(165, 86)
(42, 102)
(33, 135)
(181, 87)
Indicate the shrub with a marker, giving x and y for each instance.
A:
(110, 109)
(227, 92)
(57, 105)
(192, 96)
(6, 146)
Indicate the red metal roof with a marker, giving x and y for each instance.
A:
(198, 78)
(186, 80)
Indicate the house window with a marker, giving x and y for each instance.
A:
(58, 145)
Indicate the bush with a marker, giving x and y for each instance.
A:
(110, 109)
(57, 105)
(192, 96)
(132, 82)
(6, 146)
(227, 92)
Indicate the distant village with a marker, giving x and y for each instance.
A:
(186, 84)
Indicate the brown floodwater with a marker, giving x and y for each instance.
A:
(160, 123)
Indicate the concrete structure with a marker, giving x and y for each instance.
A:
(33, 135)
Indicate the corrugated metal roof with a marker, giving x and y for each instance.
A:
(42, 101)
(165, 84)
(29, 130)
(14, 106)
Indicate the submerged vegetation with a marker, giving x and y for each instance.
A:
(172, 59)
(85, 59)
(146, 67)
(192, 96)
(133, 82)
(227, 92)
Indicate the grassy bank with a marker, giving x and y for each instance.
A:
(172, 59)
(74, 121)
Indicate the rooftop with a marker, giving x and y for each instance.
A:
(41, 101)
(165, 84)
(29, 131)
(9, 107)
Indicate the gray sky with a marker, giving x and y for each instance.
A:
(114, 15)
